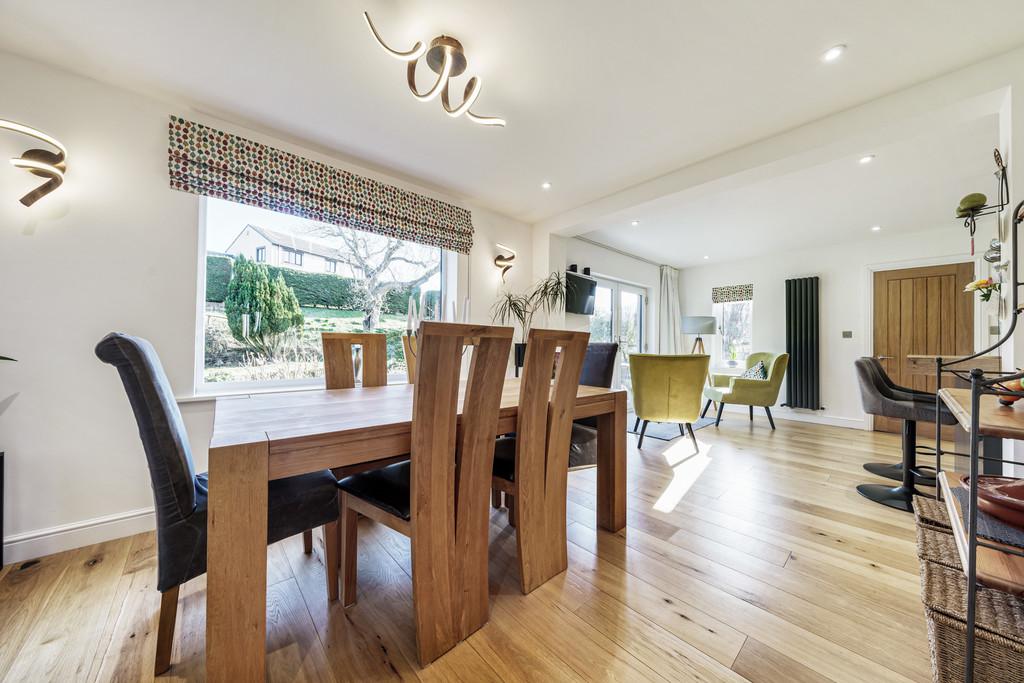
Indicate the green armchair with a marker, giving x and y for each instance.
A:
(667, 389)
(749, 392)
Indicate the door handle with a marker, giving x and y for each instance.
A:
(885, 357)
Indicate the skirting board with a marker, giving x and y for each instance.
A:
(33, 544)
(780, 413)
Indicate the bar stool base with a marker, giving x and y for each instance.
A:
(923, 475)
(899, 497)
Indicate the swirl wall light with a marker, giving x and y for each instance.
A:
(446, 58)
(40, 162)
(505, 262)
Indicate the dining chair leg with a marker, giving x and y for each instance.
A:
(349, 533)
(751, 413)
(705, 411)
(165, 630)
(307, 541)
(682, 431)
(510, 503)
(332, 541)
(768, 412)
(496, 499)
(693, 437)
(640, 441)
(721, 407)
(636, 425)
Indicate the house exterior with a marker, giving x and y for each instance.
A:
(284, 250)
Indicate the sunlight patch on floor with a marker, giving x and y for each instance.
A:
(687, 467)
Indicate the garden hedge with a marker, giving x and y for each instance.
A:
(311, 289)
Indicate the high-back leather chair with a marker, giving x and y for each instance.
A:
(598, 371)
(878, 397)
(295, 504)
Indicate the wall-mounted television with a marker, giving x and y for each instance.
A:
(579, 293)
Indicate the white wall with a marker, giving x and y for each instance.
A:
(845, 304)
(615, 266)
(114, 249)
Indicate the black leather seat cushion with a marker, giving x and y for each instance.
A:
(582, 452)
(294, 505)
(387, 488)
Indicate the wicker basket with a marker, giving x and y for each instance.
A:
(931, 512)
(938, 546)
(999, 632)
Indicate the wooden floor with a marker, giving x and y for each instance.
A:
(755, 559)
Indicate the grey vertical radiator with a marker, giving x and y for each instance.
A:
(803, 380)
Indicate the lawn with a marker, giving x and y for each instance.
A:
(227, 360)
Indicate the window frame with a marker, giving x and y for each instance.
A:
(719, 353)
(261, 254)
(454, 275)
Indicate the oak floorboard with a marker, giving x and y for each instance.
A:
(753, 559)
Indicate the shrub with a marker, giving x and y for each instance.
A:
(260, 311)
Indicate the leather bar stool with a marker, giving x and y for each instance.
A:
(878, 399)
(923, 474)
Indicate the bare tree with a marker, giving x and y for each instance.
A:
(372, 259)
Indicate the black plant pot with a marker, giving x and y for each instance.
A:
(520, 356)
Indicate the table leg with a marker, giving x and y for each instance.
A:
(236, 584)
(611, 466)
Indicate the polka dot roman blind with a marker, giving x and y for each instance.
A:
(721, 295)
(209, 162)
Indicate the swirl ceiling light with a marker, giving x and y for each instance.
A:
(40, 162)
(446, 58)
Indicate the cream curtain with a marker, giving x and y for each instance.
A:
(670, 336)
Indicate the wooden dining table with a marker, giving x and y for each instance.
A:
(261, 437)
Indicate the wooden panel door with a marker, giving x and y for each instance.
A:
(921, 311)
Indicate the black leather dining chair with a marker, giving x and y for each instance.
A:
(294, 504)
(879, 399)
(598, 371)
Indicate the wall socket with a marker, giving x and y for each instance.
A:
(847, 334)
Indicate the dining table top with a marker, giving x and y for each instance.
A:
(294, 416)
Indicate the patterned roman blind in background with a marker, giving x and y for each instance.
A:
(732, 293)
(209, 162)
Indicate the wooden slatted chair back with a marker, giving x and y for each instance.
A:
(339, 359)
(409, 347)
(452, 461)
(543, 431)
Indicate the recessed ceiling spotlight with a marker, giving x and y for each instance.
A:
(545, 185)
(706, 258)
(876, 228)
(833, 53)
(634, 223)
(867, 158)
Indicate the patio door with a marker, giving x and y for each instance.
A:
(620, 315)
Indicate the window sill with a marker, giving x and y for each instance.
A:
(236, 392)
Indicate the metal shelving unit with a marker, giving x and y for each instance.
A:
(980, 385)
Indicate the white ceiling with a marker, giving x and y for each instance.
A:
(598, 95)
(911, 185)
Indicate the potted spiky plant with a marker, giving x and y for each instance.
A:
(548, 295)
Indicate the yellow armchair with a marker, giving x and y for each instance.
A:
(667, 389)
(749, 392)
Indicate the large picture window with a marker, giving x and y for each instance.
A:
(274, 282)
